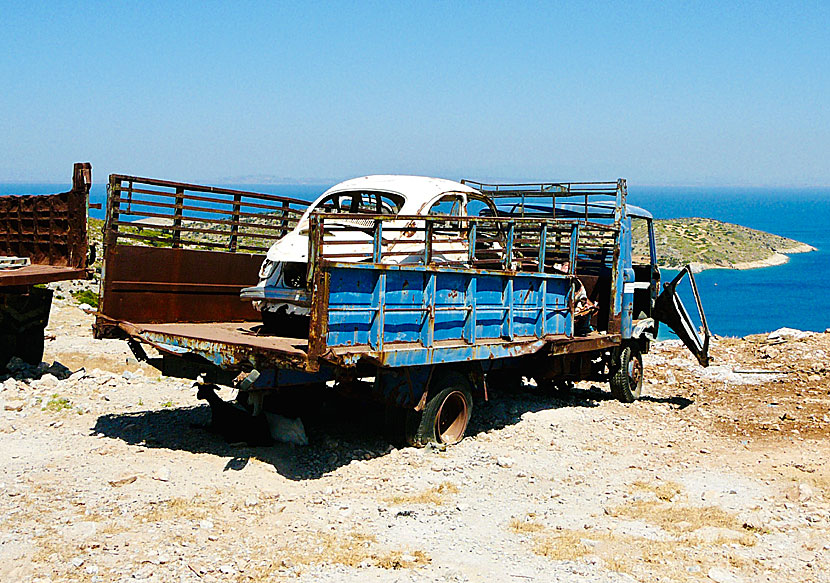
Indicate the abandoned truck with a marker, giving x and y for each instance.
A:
(538, 281)
(43, 239)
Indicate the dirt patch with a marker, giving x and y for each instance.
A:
(716, 474)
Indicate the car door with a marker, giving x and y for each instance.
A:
(669, 309)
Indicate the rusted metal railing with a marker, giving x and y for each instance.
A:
(161, 213)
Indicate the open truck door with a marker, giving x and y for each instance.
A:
(669, 309)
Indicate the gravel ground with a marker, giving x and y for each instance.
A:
(715, 475)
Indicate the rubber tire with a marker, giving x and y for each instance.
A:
(422, 426)
(30, 345)
(627, 378)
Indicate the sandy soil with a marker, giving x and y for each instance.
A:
(716, 474)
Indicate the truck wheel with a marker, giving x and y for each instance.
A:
(30, 345)
(627, 376)
(445, 416)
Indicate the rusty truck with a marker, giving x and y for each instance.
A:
(538, 281)
(43, 239)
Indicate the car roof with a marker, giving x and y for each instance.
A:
(416, 189)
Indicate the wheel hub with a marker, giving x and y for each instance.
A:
(451, 421)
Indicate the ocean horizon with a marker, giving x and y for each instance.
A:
(736, 302)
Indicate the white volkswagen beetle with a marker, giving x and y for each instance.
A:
(281, 295)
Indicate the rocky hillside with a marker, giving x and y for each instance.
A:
(712, 243)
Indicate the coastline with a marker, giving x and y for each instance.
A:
(779, 257)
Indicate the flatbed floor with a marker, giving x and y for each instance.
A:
(38, 274)
(233, 342)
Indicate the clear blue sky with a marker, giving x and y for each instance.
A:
(704, 93)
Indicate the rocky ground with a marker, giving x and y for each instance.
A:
(716, 474)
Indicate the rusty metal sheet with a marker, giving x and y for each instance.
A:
(229, 345)
(49, 229)
(149, 284)
(36, 274)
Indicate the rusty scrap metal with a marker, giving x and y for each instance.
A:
(48, 229)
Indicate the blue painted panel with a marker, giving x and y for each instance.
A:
(403, 302)
(489, 292)
(350, 306)
(356, 301)
(557, 300)
(525, 305)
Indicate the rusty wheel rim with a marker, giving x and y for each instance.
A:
(452, 417)
(635, 373)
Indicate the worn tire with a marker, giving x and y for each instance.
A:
(627, 376)
(446, 415)
(30, 345)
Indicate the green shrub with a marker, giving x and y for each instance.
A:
(86, 297)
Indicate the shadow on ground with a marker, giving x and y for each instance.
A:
(340, 431)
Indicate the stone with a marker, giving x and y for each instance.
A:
(162, 475)
(59, 370)
(753, 521)
(77, 375)
(801, 493)
(47, 381)
(771, 352)
(788, 334)
(206, 524)
(123, 481)
(504, 462)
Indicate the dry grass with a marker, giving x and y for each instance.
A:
(436, 495)
(525, 525)
(352, 549)
(684, 545)
(645, 559)
(664, 490)
(561, 545)
(187, 508)
(674, 518)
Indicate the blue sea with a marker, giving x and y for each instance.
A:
(737, 303)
